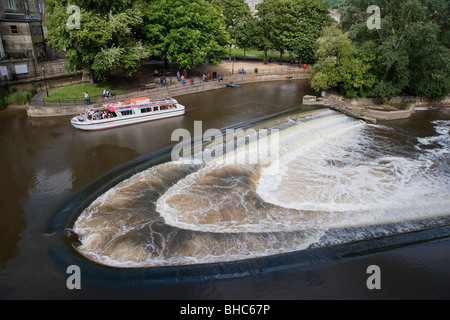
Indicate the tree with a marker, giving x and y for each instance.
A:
(340, 66)
(248, 35)
(237, 17)
(262, 35)
(332, 4)
(192, 32)
(293, 25)
(411, 45)
(105, 39)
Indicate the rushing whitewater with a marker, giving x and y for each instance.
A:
(332, 173)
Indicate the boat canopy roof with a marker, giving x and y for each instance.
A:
(137, 102)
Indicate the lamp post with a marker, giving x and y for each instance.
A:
(234, 58)
(170, 70)
(45, 80)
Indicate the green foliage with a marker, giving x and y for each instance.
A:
(190, 32)
(240, 22)
(412, 46)
(293, 25)
(16, 98)
(107, 39)
(340, 66)
(75, 92)
(236, 14)
(332, 4)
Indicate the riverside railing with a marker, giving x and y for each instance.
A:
(35, 76)
(123, 95)
(153, 88)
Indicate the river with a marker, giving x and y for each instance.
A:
(345, 196)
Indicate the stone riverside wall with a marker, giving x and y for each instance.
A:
(55, 110)
(368, 109)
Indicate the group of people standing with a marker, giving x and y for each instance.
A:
(181, 78)
(205, 77)
(87, 100)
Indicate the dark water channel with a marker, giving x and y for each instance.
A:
(46, 162)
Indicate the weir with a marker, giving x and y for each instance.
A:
(336, 174)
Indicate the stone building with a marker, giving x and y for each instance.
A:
(23, 47)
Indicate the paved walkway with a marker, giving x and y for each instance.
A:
(145, 75)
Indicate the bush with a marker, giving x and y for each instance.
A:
(16, 98)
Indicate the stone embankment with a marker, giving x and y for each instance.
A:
(38, 108)
(371, 110)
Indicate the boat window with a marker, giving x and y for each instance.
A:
(127, 112)
(145, 110)
(156, 108)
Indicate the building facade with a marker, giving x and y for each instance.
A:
(23, 47)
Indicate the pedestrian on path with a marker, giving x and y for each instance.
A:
(182, 80)
(86, 98)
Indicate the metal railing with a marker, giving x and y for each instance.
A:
(38, 75)
(171, 82)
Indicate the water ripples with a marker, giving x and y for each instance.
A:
(332, 172)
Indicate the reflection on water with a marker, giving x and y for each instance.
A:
(334, 173)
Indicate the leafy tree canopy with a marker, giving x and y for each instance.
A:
(106, 38)
(340, 66)
(332, 4)
(411, 45)
(192, 32)
(293, 25)
(237, 17)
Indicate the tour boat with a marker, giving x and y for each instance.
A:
(125, 113)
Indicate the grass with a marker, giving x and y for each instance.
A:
(15, 98)
(258, 55)
(76, 92)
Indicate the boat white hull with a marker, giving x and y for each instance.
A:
(125, 121)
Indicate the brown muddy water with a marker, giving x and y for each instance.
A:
(345, 196)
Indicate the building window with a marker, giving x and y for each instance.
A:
(25, 3)
(11, 4)
(14, 29)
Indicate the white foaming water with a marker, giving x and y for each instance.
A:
(347, 174)
(332, 172)
(441, 140)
